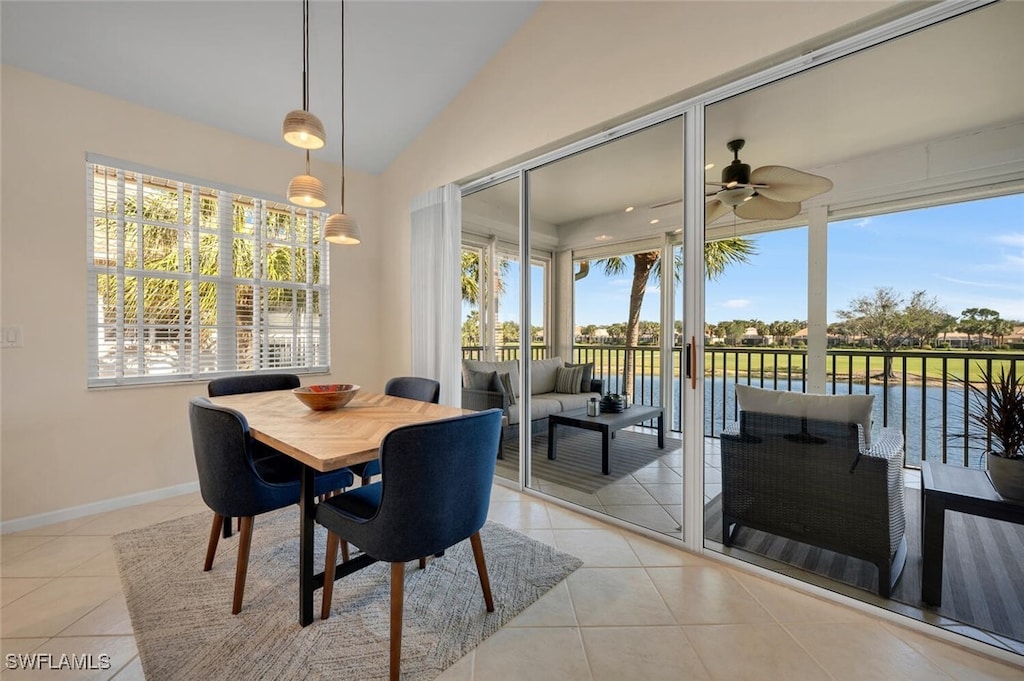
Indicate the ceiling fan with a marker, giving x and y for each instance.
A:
(768, 193)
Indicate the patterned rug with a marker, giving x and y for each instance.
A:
(184, 628)
(579, 457)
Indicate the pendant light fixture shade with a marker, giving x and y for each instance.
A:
(301, 128)
(307, 191)
(304, 130)
(340, 228)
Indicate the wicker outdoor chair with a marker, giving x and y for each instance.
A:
(814, 482)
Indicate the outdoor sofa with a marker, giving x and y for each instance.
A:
(555, 386)
(805, 467)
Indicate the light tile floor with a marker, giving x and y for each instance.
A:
(637, 609)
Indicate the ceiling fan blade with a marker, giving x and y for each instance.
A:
(714, 210)
(733, 185)
(763, 208)
(666, 203)
(789, 184)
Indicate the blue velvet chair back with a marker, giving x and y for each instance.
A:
(414, 388)
(228, 479)
(436, 486)
(251, 383)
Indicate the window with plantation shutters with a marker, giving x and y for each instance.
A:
(188, 281)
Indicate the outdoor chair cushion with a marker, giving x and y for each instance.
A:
(840, 408)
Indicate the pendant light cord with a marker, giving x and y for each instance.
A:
(343, 106)
(305, 55)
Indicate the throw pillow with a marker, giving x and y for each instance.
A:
(484, 380)
(841, 408)
(511, 367)
(588, 375)
(506, 385)
(568, 380)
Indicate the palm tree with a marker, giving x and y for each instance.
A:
(471, 281)
(646, 265)
(165, 304)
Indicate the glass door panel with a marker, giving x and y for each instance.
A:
(606, 214)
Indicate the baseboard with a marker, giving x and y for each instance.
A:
(50, 517)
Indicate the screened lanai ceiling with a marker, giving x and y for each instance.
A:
(953, 78)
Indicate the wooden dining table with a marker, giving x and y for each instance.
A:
(326, 441)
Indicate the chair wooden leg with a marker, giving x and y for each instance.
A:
(397, 600)
(366, 480)
(481, 569)
(329, 565)
(211, 546)
(244, 542)
(423, 563)
(344, 550)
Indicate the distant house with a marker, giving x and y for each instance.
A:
(752, 337)
(800, 338)
(1016, 337)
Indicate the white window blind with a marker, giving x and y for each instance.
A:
(187, 282)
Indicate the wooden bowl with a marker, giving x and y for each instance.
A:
(326, 396)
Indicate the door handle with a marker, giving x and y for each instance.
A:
(691, 362)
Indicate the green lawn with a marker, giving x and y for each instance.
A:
(755, 362)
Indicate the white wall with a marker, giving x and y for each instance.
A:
(572, 66)
(63, 445)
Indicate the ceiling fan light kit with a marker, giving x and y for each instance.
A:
(768, 193)
(735, 196)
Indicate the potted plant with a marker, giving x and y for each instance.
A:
(997, 408)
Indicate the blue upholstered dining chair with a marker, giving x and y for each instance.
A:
(434, 492)
(252, 383)
(235, 484)
(410, 387)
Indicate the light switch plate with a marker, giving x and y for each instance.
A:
(10, 337)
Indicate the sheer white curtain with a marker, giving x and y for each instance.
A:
(436, 289)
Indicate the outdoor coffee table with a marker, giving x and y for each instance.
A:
(606, 424)
(954, 488)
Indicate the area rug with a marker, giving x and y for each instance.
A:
(980, 581)
(579, 457)
(184, 628)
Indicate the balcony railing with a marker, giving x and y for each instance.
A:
(924, 393)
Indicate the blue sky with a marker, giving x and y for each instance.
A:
(966, 255)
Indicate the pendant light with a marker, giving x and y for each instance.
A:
(306, 190)
(301, 128)
(340, 228)
(305, 131)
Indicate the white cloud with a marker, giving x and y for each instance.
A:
(1015, 239)
(737, 303)
(864, 222)
(984, 284)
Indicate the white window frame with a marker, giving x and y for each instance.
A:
(304, 335)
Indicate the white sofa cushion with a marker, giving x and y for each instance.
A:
(570, 401)
(841, 408)
(540, 408)
(542, 375)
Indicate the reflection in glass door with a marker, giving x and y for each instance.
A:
(608, 216)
